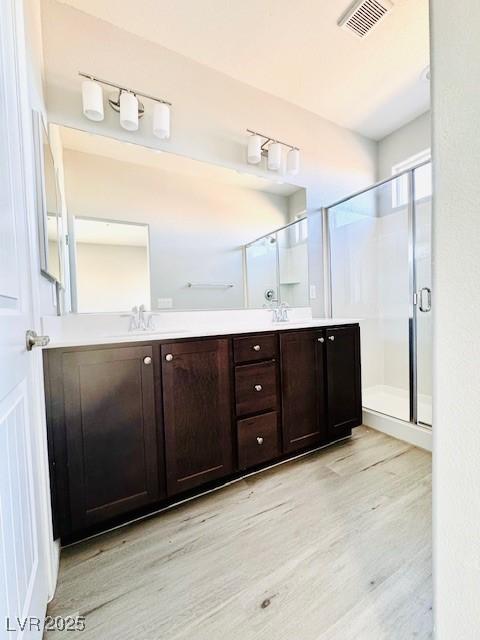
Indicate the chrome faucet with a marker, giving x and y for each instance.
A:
(141, 317)
(139, 320)
(280, 313)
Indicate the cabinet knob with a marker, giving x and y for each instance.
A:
(169, 357)
(259, 440)
(256, 347)
(258, 387)
(332, 338)
(147, 360)
(321, 339)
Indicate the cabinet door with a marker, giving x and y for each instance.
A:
(110, 432)
(343, 380)
(303, 389)
(197, 412)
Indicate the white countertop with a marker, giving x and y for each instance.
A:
(222, 327)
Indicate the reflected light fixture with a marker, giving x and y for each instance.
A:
(92, 100)
(125, 102)
(260, 145)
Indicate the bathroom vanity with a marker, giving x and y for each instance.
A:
(138, 424)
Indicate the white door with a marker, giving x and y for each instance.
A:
(24, 579)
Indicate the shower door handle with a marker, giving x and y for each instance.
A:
(428, 293)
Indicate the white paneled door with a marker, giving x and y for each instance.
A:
(24, 582)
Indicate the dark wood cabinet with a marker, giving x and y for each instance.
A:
(343, 378)
(258, 440)
(256, 387)
(304, 420)
(131, 426)
(109, 442)
(197, 412)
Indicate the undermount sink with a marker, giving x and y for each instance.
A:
(147, 334)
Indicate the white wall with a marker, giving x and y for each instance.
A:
(111, 277)
(210, 114)
(456, 277)
(196, 226)
(410, 139)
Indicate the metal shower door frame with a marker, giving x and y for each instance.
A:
(412, 275)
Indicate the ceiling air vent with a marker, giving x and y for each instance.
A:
(364, 15)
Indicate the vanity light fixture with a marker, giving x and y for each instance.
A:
(293, 162)
(161, 120)
(92, 99)
(126, 103)
(129, 111)
(274, 158)
(258, 145)
(254, 150)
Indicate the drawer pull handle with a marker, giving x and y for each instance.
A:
(332, 338)
(147, 360)
(258, 387)
(169, 357)
(256, 347)
(321, 339)
(259, 440)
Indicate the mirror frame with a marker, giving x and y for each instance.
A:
(39, 133)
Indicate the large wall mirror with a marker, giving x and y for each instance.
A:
(169, 232)
(49, 208)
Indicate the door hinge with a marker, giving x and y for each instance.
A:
(66, 240)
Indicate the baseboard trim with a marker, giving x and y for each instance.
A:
(411, 433)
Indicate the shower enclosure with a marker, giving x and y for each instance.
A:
(379, 247)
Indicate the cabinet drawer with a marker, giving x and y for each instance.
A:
(258, 440)
(256, 387)
(251, 348)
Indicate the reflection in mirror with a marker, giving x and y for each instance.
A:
(277, 267)
(112, 272)
(48, 203)
(53, 251)
(199, 219)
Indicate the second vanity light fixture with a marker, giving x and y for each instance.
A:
(258, 145)
(126, 104)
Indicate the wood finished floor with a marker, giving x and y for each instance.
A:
(336, 546)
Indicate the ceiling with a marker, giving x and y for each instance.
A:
(181, 165)
(296, 51)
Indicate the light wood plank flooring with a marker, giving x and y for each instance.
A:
(335, 546)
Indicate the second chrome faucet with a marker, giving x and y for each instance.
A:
(139, 320)
(280, 313)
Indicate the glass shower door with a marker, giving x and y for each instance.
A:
(422, 189)
(370, 280)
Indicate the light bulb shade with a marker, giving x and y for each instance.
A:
(293, 161)
(161, 121)
(92, 99)
(274, 156)
(128, 111)
(254, 152)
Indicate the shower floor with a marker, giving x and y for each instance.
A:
(393, 401)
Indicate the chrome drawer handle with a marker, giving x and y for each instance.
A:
(321, 339)
(258, 387)
(256, 347)
(332, 338)
(259, 440)
(147, 360)
(169, 357)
